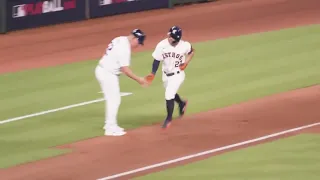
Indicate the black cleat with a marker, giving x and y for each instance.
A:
(166, 124)
(183, 108)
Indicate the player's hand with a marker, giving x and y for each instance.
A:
(149, 78)
(183, 66)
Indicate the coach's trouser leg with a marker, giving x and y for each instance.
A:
(111, 89)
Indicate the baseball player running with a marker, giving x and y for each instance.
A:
(114, 62)
(175, 54)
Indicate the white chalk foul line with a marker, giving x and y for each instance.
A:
(122, 93)
(208, 152)
(55, 110)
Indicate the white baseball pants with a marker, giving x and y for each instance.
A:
(172, 84)
(109, 84)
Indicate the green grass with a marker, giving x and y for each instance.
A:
(292, 158)
(223, 72)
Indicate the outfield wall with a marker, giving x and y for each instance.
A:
(25, 14)
(3, 13)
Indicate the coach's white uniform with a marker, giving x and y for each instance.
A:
(172, 57)
(107, 72)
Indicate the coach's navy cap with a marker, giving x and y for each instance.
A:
(140, 35)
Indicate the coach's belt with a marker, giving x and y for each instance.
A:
(173, 73)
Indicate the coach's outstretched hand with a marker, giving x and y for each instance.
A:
(143, 82)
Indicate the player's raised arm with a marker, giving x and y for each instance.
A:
(155, 66)
(157, 57)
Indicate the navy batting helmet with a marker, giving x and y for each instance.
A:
(176, 33)
(140, 35)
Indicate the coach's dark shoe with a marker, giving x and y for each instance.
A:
(166, 124)
(183, 108)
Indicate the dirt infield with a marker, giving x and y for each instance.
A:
(105, 156)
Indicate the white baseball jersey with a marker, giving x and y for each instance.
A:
(117, 55)
(171, 56)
